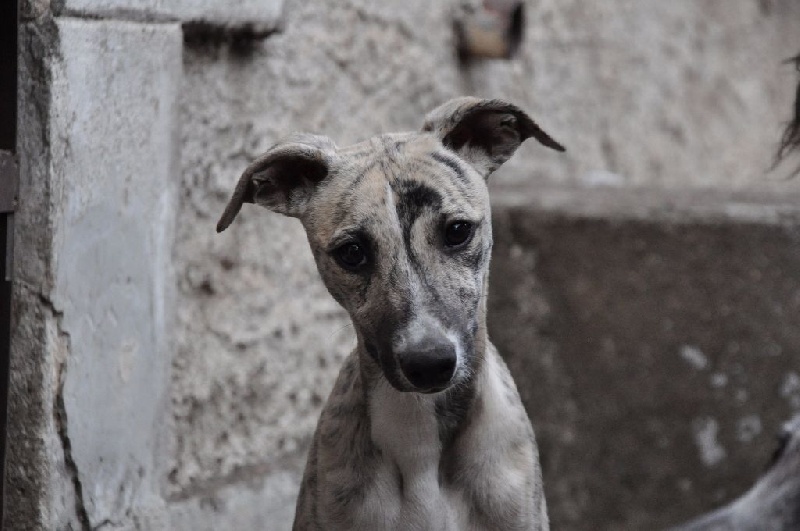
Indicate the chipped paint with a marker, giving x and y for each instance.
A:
(719, 380)
(706, 430)
(748, 428)
(694, 357)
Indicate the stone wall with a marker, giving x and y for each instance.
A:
(165, 376)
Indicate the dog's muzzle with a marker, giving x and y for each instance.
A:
(428, 360)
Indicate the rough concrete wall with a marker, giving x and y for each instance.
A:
(30, 449)
(679, 94)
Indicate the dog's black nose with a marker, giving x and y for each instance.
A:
(429, 365)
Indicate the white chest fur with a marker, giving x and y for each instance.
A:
(410, 484)
(405, 430)
(407, 492)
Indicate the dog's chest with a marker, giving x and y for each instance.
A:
(485, 479)
(408, 493)
(412, 503)
(405, 431)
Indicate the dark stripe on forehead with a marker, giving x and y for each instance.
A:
(343, 203)
(386, 168)
(451, 163)
(444, 178)
(413, 196)
(360, 177)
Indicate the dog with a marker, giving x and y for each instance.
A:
(424, 429)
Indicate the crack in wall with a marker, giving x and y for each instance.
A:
(60, 415)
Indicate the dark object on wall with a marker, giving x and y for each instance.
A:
(773, 504)
(492, 31)
(242, 39)
(790, 140)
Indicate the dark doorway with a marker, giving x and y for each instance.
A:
(9, 26)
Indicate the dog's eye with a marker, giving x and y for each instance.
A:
(457, 233)
(351, 256)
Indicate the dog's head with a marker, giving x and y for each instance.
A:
(400, 230)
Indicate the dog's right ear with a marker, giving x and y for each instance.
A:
(283, 179)
(485, 133)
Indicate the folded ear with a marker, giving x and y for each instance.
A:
(283, 179)
(485, 133)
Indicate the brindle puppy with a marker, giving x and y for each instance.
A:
(424, 429)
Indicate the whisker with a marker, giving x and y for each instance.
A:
(338, 330)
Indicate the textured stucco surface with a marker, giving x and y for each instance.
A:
(647, 92)
(30, 456)
(126, 129)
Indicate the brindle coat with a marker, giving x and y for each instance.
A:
(424, 429)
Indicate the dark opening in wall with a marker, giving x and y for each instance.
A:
(242, 40)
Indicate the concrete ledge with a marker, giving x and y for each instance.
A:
(770, 203)
(261, 14)
(655, 341)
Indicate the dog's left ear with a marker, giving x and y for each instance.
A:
(485, 133)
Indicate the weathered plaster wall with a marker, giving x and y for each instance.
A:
(165, 376)
(112, 245)
(101, 277)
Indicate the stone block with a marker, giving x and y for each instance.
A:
(113, 132)
(654, 339)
